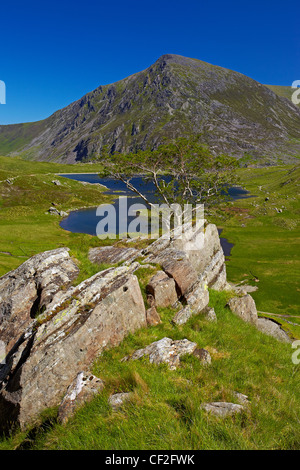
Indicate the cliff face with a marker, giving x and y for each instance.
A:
(175, 96)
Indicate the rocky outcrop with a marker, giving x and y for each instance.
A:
(75, 328)
(30, 288)
(169, 352)
(196, 256)
(53, 331)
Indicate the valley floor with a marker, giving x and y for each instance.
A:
(165, 410)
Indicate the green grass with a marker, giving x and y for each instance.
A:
(266, 243)
(165, 410)
(26, 228)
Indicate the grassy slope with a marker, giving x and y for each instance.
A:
(284, 91)
(26, 228)
(165, 411)
(266, 242)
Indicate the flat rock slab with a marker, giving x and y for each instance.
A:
(168, 352)
(272, 328)
(244, 289)
(82, 390)
(112, 254)
(222, 409)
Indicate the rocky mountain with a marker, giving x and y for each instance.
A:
(176, 96)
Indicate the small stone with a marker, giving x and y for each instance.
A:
(241, 398)
(117, 400)
(202, 355)
(222, 409)
(82, 390)
(211, 315)
(152, 316)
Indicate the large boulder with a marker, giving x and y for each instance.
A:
(30, 288)
(244, 307)
(163, 289)
(199, 249)
(66, 339)
(271, 328)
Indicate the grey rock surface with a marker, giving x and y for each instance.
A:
(111, 254)
(66, 339)
(272, 328)
(118, 399)
(244, 307)
(27, 290)
(169, 352)
(84, 387)
(222, 409)
(163, 289)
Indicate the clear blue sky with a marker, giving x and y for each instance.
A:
(53, 52)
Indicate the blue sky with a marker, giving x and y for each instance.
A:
(53, 52)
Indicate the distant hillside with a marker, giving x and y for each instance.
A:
(175, 96)
(284, 91)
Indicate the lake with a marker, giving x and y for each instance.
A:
(86, 220)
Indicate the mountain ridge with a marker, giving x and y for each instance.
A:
(175, 96)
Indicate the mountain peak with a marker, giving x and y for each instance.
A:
(176, 96)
